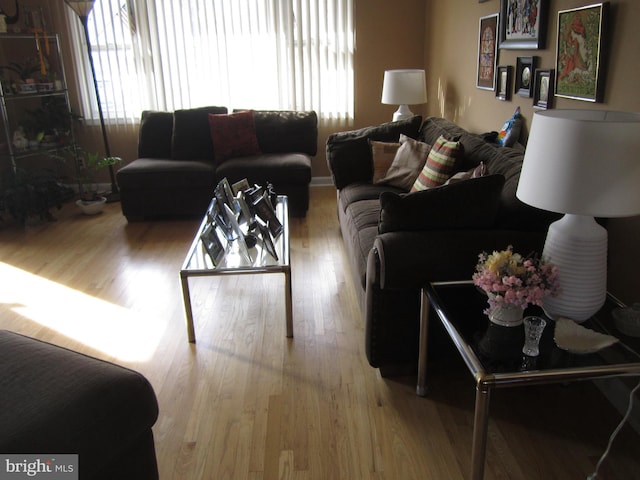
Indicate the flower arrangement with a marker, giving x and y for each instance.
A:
(510, 278)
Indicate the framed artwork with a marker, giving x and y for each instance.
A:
(543, 89)
(503, 82)
(487, 52)
(523, 24)
(579, 63)
(525, 68)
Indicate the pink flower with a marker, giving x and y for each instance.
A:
(513, 279)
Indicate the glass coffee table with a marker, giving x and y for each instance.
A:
(198, 263)
(494, 356)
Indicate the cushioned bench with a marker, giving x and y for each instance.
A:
(54, 400)
(179, 163)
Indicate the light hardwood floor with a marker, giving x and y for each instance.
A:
(245, 402)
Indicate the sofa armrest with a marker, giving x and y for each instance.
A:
(349, 153)
(411, 259)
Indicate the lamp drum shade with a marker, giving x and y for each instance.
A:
(584, 162)
(404, 87)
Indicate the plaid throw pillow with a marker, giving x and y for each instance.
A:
(440, 165)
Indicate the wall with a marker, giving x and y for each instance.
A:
(451, 43)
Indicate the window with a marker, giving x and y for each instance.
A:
(259, 54)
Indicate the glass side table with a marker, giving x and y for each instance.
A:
(459, 307)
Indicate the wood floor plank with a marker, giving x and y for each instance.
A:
(245, 402)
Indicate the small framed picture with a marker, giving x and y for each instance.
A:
(267, 241)
(525, 68)
(211, 243)
(487, 52)
(503, 82)
(543, 89)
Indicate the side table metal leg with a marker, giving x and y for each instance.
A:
(421, 388)
(480, 427)
(186, 297)
(288, 302)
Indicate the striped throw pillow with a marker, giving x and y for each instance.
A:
(440, 165)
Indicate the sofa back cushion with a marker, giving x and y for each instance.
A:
(352, 147)
(191, 138)
(287, 131)
(154, 137)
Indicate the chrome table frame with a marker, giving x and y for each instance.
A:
(198, 264)
(486, 381)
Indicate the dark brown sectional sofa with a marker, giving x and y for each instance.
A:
(398, 241)
(175, 172)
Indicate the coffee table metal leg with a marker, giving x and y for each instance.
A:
(480, 427)
(191, 333)
(421, 388)
(288, 304)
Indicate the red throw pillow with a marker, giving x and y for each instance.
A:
(233, 135)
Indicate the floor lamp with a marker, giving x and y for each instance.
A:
(82, 9)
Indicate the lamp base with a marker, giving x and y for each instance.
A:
(577, 245)
(402, 113)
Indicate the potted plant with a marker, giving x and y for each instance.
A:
(91, 201)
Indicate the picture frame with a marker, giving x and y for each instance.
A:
(523, 25)
(267, 241)
(211, 243)
(238, 235)
(487, 52)
(503, 82)
(582, 34)
(543, 88)
(525, 70)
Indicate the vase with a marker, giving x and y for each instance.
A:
(506, 315)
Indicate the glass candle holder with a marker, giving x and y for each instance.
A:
(533, 328)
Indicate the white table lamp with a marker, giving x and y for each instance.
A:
(585, 164)
(404, 88)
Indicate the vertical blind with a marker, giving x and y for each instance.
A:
(258, 54)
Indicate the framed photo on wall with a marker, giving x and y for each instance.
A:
(523, 24)
(525, 68)
(543, 89)
(487, 52)
(579, 52)
(503, 82)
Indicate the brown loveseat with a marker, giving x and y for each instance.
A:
(398, 241)
(176, 170)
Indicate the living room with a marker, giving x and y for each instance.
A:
(247, 402)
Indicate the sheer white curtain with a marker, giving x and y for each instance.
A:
(259, 54)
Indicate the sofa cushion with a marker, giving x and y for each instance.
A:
(440, 164)
(161, 173)
(281, 168)
(354, 145)
(382, 155)
(363, 191)
(154, 137)
(468, 204)
(287, 131)
(233, 135)
(191, 139)
(407, 163)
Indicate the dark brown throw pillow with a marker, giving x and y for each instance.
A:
(471, 203)
(233, 135)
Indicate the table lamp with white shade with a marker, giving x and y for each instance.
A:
(404, 87)
(584, 164)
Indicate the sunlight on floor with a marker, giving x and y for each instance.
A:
(114, 330)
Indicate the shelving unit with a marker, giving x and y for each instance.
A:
(34, 103)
